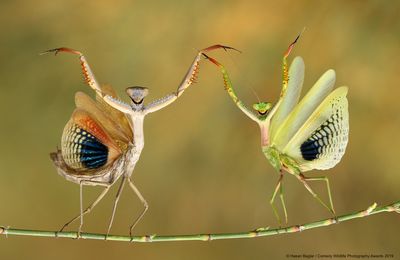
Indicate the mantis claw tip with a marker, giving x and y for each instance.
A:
(216, 46)
(286, 54)
(50, 51)
(212, 60)
(226, 48)
(64, 49)
(205, 55)
(298, 36)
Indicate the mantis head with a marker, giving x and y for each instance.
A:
(137, 94)
(262, 107)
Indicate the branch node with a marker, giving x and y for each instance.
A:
(294, 229)
(145, 238)
(253, 234)
(149, 238)
(206, 237)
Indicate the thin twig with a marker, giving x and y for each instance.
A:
(260, 232)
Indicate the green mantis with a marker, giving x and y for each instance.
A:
(300, 136)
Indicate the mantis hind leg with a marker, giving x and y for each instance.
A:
(324, 178)
(304, 180)
(145, 205)
(279, 187)
(88, 209)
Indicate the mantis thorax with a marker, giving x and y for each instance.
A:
(273, 156)
(280, 160)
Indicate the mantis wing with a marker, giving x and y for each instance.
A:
(111, 122)
(118, 116)
(86, 144)
(302, 111)
(321, 141)
(290, 97)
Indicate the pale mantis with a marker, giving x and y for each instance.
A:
(103, 140)
(298, 137)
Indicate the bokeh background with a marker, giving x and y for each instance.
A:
(201, 170)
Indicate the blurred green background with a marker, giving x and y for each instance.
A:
(202, 170)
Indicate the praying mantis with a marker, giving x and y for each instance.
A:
(103, 140)
(299, 136)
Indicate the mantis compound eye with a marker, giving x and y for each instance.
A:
(262, 107)
(137, 94)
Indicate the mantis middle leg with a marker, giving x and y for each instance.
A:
(279, 187)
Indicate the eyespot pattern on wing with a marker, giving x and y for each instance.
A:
(324, 148)
(85, 144)
(321, 141)
(82, 150)
(329, 138)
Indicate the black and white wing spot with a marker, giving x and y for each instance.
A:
(81, 150)
(328, 142)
